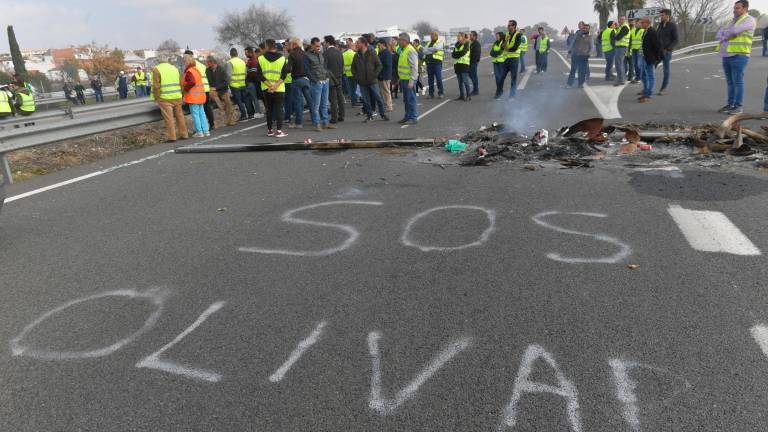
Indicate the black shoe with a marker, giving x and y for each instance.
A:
(384, 117)
(410, 122)
(460, 98)
(475, 93)
(403, 121)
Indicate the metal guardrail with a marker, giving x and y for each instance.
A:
(705, 45)
(44, 128)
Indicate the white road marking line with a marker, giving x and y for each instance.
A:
(526, 77)
(430, 111)
(609, 110)
(84, 177)
(760, 334)
(712, 231)
(705, 54)
(298, 352)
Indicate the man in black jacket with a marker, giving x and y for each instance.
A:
(474, 60)
(511, 47)
(366, 68)
(667, 32)
(652, 55)
(334, 64)
(217, 79)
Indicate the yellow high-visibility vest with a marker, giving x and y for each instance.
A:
(624, 41)
(272, 71)
(464, 59)
(498, 50)
(349, 55)
(523, 43)
(27, 102)
(637, 38)
(238, 72)
(543, 44)
(438, 55)
(404, 71)
(741, 44)
(509, 42)
(5, 102)
(170, 86)
(201, 68)
(289, 78)
(141, 78)
(606, 39)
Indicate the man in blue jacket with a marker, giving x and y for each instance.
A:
(385, 76)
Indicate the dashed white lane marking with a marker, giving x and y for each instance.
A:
(760, 334)
(604, 98)
(433, 109)
(712, 231)
(526, 77)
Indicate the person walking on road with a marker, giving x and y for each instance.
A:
(435, 53)
(607, 42)
(217, 78)
(334, 64)
(461, 65)
(475, 52)
(542, 51)
(667, 31)
(497, 59)
(236, 72)
(512, 42)
(366, 70)
(166, 88)
(653, 54)
(319, 83)
(580, 51)
(194, 96)
(385, 76)
(735, 49)
(97, 86)
(408, 72)
(272, 73)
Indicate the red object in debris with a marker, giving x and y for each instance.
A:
(645, 147)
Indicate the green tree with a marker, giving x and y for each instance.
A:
(604, 8)
(71, 68)
(18, 59)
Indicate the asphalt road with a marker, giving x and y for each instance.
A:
(368, 291)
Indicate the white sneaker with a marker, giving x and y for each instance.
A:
(280, 134)
(258, 115)
(207, 134)
(198, 135)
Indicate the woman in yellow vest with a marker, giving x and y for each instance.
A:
(460, 56)
(735, 49)
(272, 71)
(497, 58)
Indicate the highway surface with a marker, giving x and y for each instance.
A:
(368, 291)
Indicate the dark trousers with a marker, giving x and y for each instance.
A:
(273, 105)
(463, 80)
(208, 108)
(579, 64)
(511, 66)
(99, 95)
(473, 77)
(239, 96)
(336, 96)
(288, 102)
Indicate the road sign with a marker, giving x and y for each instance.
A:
(707, 20)
(643, 13)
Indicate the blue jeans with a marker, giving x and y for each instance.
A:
(641, 66)
(649, 78)
(288, 103)
(198, 117)
(301, 93)
(579, 64)
(463, 79)
(666, 59)
(511, 65)
(319, 104)
(522, 62)
(141, 91)
(254, 95)
(351, 85)
(734, 67)
(498, 73)
(618, 56)
(435, 73)
(409, 99)
(473, 77)
(609, 57)
(372, 99)
(542, 61)
(637, 57)
(238, 96)
(765, 101)
(99, 95)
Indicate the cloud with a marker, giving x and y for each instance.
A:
(36, 25)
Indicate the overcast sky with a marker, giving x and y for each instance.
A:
(136, 24)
